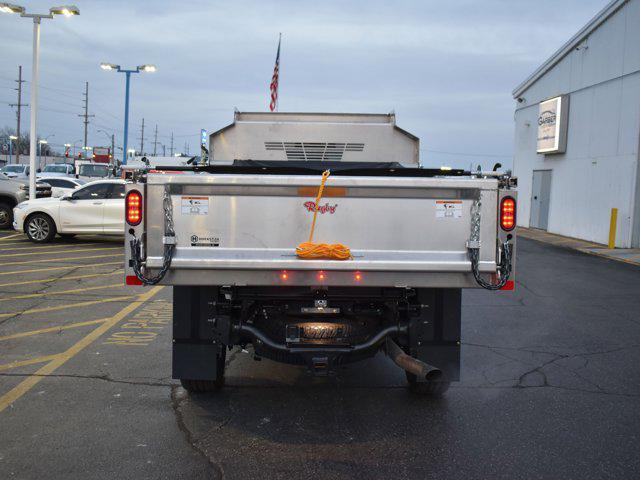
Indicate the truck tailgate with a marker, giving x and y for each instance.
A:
(243, 229)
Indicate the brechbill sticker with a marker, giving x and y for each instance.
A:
(448, 208)
(194, 205)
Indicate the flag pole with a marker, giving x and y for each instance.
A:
(274, 87)
(279, 70)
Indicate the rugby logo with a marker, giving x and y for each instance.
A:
(326, 208)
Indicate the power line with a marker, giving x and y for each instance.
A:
(188, 135)
(66, 112)
(107, 113)
(467, 154)
(74, 97)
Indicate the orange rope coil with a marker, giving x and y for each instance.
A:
(310, 250)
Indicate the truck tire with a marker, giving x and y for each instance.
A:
(40, 228)
(6, 216)
(201, 386)
(207, 386)
(431, 389)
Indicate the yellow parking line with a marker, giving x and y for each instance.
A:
(10, 236)
(62, 292)
(48, 269)
(30, 333)
(62, 279)
(49, 251)
(27, 384)
(58, 260)
(41, 247)
(31, 361)
(69, 305)
(23, 242)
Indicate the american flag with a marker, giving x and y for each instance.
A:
(274, 80)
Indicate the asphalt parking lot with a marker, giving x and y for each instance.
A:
(550, 384)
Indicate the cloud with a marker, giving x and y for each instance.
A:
(446, 68)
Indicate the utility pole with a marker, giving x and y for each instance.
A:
(155, 141)
(86, 113)
(171, 149)
(142, 139)
(19, 106)
(113, 148)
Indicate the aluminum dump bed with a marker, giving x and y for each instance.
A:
(242, 229)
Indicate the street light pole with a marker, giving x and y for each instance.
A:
(140, 68)
(67, 11)
(126, 116)
(111, 137)
(11, 138)
(74, 147)
(34, 105)
(44, 141)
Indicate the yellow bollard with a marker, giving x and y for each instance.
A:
(612, 227)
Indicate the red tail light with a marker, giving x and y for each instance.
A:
(508, 213)
(133, 208)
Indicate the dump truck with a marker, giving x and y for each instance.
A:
(251, 247)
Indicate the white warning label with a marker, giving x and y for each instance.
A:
(448, 208)
(194, 205)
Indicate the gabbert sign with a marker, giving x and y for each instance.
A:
(553, 116)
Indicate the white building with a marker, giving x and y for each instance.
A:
(577, 132)
(348, 137)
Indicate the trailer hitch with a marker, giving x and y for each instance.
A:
(261, 339)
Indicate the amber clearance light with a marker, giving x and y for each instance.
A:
(134, 207)
(508, 213)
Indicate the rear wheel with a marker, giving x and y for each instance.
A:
(201, 386)
(206, 386)
(6, 216)
(429, 388)
(40, 228)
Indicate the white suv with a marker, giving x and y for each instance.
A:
(96, 208)
(57, 170)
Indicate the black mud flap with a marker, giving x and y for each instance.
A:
(435, 338)
(195, 362)
(196, 351)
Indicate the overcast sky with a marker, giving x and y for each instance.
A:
(446, 68)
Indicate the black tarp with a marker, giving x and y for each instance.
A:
(356, 169)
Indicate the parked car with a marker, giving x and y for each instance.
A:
(95, 208)
(61, 186)
(16, 170)
(93, 170)
(12, 192)
(57, 170)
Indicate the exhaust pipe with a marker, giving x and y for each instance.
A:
(410, 364)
